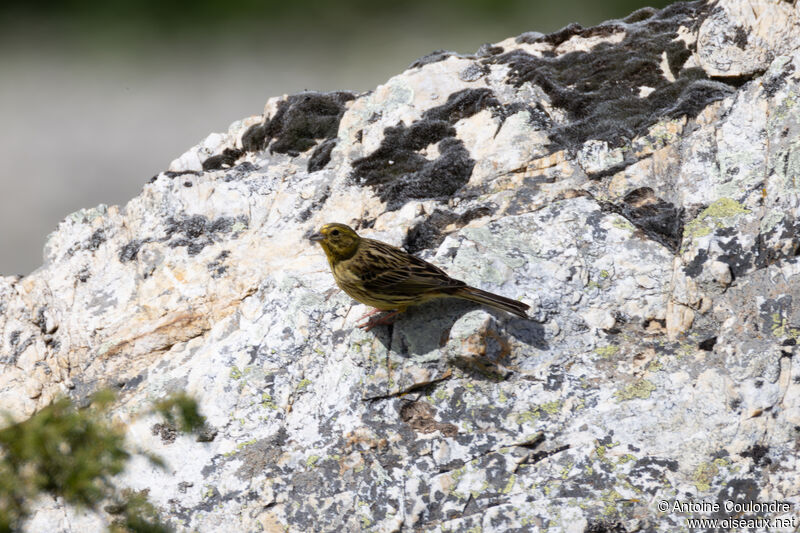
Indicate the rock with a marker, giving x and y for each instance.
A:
(721, 273)
(635, 183)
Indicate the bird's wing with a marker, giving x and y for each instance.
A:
(387, 269)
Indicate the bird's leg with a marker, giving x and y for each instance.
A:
(371, 313)
(379, 321)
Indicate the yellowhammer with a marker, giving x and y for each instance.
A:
(390, 279)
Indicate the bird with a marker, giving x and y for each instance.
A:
(390, 279)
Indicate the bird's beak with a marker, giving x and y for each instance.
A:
(316, 237)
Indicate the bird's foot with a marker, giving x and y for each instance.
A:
(388, 318)
(371, 313)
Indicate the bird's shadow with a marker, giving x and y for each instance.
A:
(426, 328)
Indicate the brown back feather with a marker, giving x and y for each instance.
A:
(390, 270)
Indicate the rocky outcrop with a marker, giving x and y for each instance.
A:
(636, 183)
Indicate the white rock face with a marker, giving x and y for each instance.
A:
(636, 183)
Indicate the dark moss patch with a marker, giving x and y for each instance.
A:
(639, 15)
(299, 123)
(576, 30)
(83, 274)
(97, 238)
(399, 172)
(130, 251)
(226, 159)
(463, 104)
(319, 199)
(19, 347)
(599, 88)
(207, 434)
(40, 320)
(171, 174)
(774, 83)
(468, 102)
(659, 220)
(321, 155)
(740, 38)
(428, 233)
(134, 382)
(196, 232)
(473, 72)
(167, 432)
(255, 138)
(240, 171)
(217, 266)
(488, 49)
(433, 57)
(605, 526)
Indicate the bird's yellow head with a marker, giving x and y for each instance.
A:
(338, 241)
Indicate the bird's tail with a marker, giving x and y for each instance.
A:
(492, 300)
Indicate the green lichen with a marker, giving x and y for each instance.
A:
(604, 274)
(528, 417)
(510, 485)
(456, 475)
(625, 459)
(501, 396)
(713, 217)
(607, 351)
(610, 497)
(685, 350)
(623, 224)
(305, 382)
(640, 389)
(245, 443)
(267, 401)
(551, 408)
(312, 461)
(567, 469)
(603, 448)
(780, 328)
(235, 373)
(239, 447)
(703, 475)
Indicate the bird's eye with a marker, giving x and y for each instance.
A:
(335, 233)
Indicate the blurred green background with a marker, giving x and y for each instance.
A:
(98, 96)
